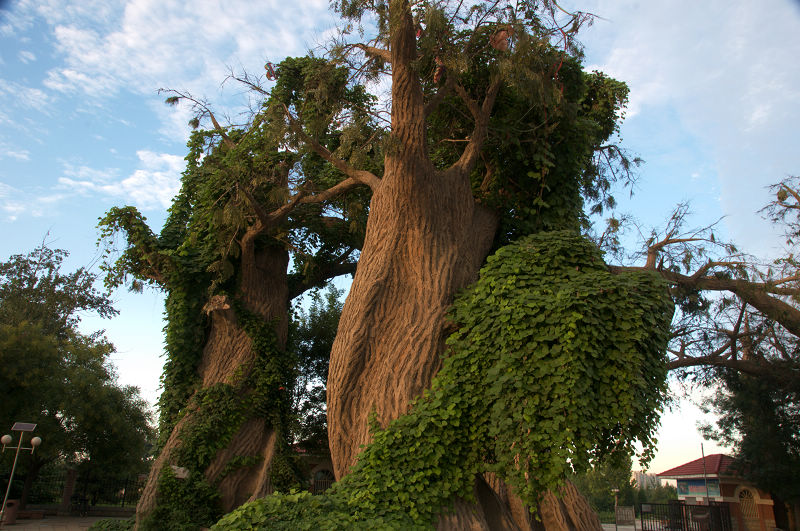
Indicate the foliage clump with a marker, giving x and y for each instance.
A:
(62, 379)
(556, 361)
(113, 524)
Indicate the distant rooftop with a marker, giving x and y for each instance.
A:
(716, 464)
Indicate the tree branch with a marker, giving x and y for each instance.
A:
(333, 191)
(206, 111)
(298, 285)
(469, 157)
(653, 250)
(373, 51)
(361, 176)
(758, 367)
(262, 215)
(449, 85)
(755, 294)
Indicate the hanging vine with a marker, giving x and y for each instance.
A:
(556, 362)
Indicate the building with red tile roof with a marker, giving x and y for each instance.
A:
(714, 479)
(712, 465)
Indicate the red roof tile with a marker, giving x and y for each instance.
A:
(715, 464)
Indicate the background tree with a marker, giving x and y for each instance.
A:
(598, 482)
(760, 419)
(735, 310)
(736, 333)
(311, 337)
(60, 379)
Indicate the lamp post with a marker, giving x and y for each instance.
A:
(21, 427)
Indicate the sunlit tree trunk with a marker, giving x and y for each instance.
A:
(426, 239)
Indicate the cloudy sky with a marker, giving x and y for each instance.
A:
(715, 99)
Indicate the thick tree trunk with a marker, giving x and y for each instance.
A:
(426, 239)
(263, 290)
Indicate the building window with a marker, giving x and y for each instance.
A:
(747, 504)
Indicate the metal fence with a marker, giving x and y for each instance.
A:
(83, 493)
(91, 491)
(682, 517)
(48, 488)
(321, 485)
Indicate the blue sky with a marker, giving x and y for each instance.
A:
(715, 103)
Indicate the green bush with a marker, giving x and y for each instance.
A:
(113, 524)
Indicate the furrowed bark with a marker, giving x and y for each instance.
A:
(426, 239)
(263, 290)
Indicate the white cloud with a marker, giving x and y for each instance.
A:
(26, 56)
(5, 190)
(146, 44)
(89, 177)
(14, 21)
(151, 186)
(15, 202)
(728, 82)
(30, 97)
(22, 154)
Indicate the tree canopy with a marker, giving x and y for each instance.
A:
(492, 134)
(61, 379)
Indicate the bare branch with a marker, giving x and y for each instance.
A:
(327, 272)
(755, 294)
(331, 192)
(653, 250)
(380, 53)
(284, 210)
(205, 111)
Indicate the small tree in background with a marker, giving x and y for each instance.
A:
(61, 379)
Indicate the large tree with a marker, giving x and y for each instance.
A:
(61, 379)
(252, 195)
(482, 110)
(493, 137)
(759, 417)
(493, 134)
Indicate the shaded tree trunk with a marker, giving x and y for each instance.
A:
(263, 290)
(422, 246)
(33, 472)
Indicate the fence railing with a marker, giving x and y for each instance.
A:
(682, 517)
(321, 485)
(48, 488)
(124, 492)
(65, 491)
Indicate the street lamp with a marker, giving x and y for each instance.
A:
(21, 427)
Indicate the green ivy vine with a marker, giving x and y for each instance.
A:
(556, 362)
(218, 411)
